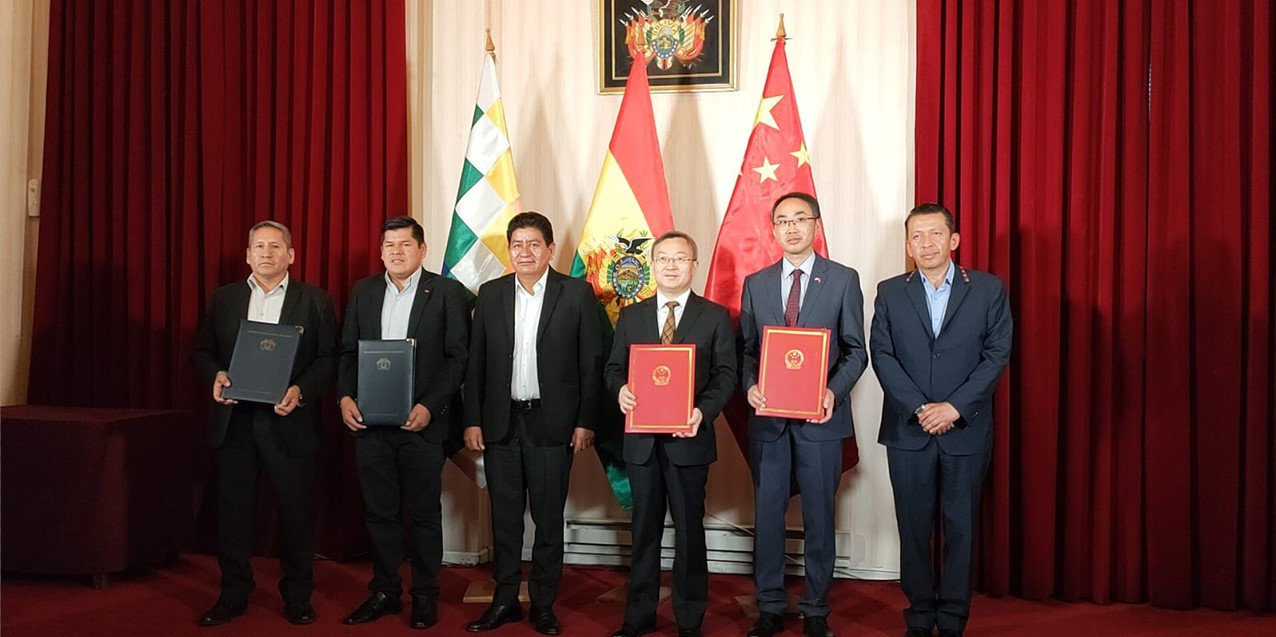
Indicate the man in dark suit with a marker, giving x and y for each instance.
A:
(802, 290)
(404, 464)
(281, 438)
(941, 337)
(531, 391)
(669, 471)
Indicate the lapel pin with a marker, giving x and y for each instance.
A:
(817, 279)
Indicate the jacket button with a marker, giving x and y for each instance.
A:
(936, 356)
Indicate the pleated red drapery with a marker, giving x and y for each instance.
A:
(1112, 162)
(174, 126)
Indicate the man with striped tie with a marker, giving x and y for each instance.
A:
(670, 470)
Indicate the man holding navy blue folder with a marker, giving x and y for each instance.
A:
(403, 462)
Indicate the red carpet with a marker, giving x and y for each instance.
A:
(167, 602)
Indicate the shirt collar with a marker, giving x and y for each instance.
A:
(537, 288)
(662, 300)
(948, 278)
(413, 279)
(282, 288)
(787, 268)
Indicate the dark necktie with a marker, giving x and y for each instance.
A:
(795, 300)
(666, 334)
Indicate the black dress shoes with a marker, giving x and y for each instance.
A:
(690, 632)
(918, 632)
(949, 633)
(425, 612)
(816, 627)
(300, 613)
(629, 630)
(544, 621)
(494, 617)
(222, 612)
(376, 606)
(767, 625)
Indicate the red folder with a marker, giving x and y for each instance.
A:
(793, 371)
(662, 378)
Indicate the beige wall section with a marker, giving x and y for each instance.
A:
(852, 64)
(24, 37)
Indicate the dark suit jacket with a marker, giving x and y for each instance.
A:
(834, 301)
(440, 324)
(704, 324)
(312, 371)
(960, 366)
(568, 358)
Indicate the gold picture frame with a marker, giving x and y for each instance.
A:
(691, 44)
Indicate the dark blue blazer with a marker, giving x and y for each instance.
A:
(833, 300)
(960, 366)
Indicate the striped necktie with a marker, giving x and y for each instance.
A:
(666, 334)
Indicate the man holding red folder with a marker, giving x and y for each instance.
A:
(802, 290)
(670, 470)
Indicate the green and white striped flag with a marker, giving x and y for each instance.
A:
(488, 196)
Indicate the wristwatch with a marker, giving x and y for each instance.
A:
(919, 410)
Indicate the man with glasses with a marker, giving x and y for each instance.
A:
(802, 290)
(669, 471)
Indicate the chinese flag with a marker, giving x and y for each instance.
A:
(776, 162)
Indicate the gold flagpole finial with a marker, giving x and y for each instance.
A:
(491, 48)
(779, 33)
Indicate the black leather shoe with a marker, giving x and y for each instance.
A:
(221, 612)
(918, 632)
(301, 613)
(816, 627)
(690, 632)
(767, 625)
(494, 617)
(630, 630)
(376, 606)
(949, 633)
(425, 612)
(544, 621)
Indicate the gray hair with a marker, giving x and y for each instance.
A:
(271, 224)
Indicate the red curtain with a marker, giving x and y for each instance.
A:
(1111, 161)
(174, 126)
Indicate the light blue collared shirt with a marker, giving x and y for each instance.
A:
(397, 306)
(937, 299)
(786, 279)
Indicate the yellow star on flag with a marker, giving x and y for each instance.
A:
(764, 112)
(801, 154)
(766, 170)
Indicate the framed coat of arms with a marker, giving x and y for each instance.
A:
(689, 45)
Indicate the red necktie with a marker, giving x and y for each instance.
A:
(795, 300)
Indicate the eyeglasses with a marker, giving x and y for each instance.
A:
(790, 223)
(678, 261)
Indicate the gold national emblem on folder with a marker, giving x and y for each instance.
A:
(793, 359)
(660, 376)
(383, 364)
(267, 345)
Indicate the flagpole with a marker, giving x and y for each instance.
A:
(491, 48)
(779, 33)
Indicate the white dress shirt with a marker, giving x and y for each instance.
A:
(265, 306)
(525, 383)
(662, 309)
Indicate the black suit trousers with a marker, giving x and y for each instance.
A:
(400, 471)
(657, 483)
(522, 473)
(926, 482)
(253, 442)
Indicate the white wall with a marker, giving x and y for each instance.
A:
(852, 63)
